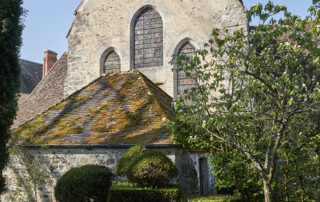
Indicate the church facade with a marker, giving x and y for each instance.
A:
(143, 35)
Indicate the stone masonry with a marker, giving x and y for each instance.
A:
(103, 24)
(52, 162)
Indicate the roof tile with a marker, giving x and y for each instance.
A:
(47, 93)
(119, 108)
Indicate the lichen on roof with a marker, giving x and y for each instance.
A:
(118, 108)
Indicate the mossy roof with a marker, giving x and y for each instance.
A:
(118, 108)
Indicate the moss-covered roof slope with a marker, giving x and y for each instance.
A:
(119, 108)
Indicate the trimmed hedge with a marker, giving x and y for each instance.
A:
(213, 198)
(127, 192)
(151, 169)
(83, 184)
(124, 162)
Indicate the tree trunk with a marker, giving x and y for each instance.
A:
(267, 190)
(286, 181)
(286, 192)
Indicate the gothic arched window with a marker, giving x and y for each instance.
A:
(111, 63)
(148, 39)
(184, 82)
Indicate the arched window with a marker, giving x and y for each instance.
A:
(148, 39)
(111, 63)
(183, 82)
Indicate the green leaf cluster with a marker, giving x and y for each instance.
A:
(126, 159)
(151, 169)
(124, 191)
(256, 106)
(10, 42)
(146, 168)
(83, 184)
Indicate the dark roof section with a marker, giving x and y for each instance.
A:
(30, 75)
(48, 92)
(103, 146)
(119, 108)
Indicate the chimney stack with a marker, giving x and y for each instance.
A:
(50, 58)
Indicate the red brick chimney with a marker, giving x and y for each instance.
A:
(50, 58)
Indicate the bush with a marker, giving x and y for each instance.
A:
(124, 162)
(214, 198)
(82, 184)
(127, 192)
(152, 168)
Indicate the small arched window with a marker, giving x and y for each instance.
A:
(184, 82)
(148, 39)
(111, 63)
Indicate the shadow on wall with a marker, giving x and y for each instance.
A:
(34, 179)
(29, 179)
(187, 174)
(32, 173)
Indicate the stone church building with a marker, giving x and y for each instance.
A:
(112, 89)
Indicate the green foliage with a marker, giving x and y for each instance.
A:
(85, 183)
(10, 41)
(298, 174)
(214, 198)
(127, 192)
(256, 105)
(151, 169)
(124, 162)
(232, 174)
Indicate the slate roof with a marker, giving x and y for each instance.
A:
(46, 94)
(118, 108)
(30, 75)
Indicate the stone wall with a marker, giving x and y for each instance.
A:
(102, 24)
(51, 163)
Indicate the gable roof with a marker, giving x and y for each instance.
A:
(30, 75)
(47, 93)
(119, 108)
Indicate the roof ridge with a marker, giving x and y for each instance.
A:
(53, 67)
(30, 61)
(145, 78)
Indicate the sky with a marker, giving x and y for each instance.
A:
(47, 23)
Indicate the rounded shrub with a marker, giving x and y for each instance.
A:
(82, 184)
(151, 169)
(124, 162)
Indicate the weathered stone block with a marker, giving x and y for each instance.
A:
(97, 28)
(20, 186)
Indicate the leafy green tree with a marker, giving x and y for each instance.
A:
(10, 41)
(258, 95)
(232, 174)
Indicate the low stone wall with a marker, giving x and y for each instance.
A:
(33, 171)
